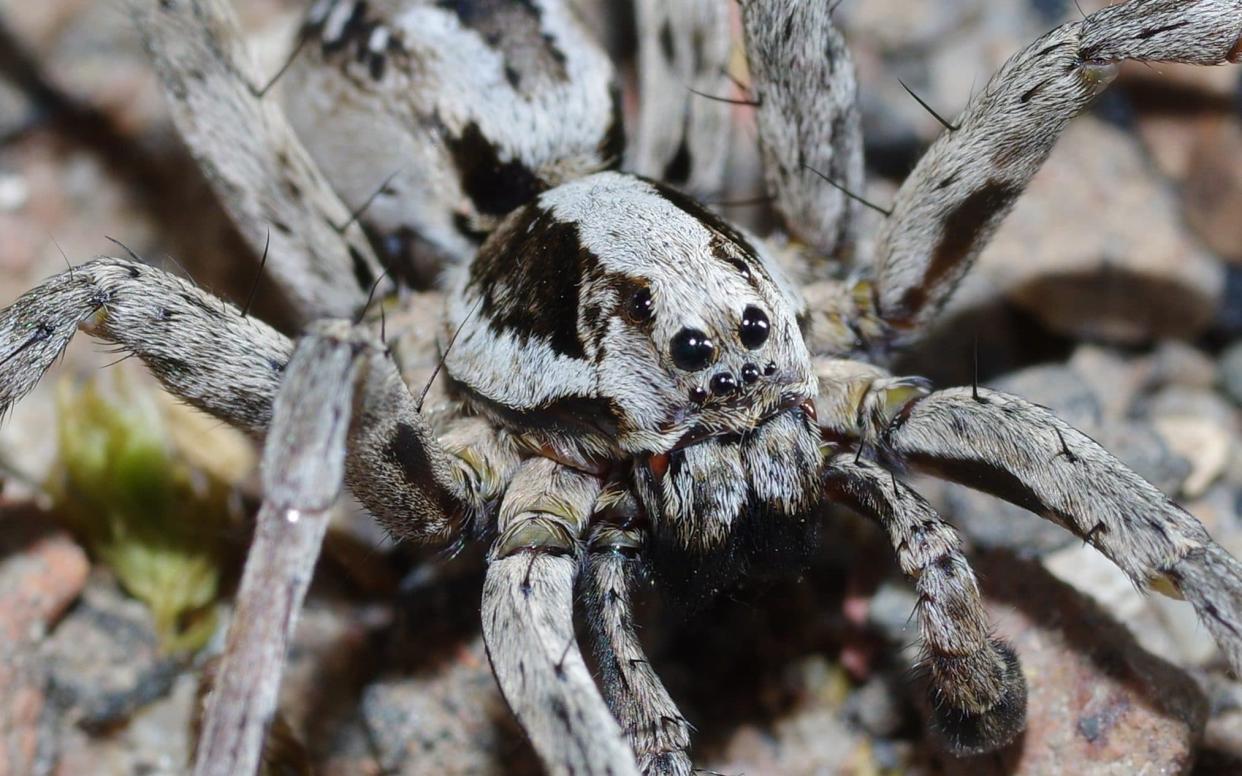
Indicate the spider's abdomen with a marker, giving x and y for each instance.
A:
(615, 318)
(443, 117)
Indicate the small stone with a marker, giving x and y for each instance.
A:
(1212, 193)
(104, 659)
(877, 706)
(154, 742)
(1115, 380)
(452, 720)
(1096, 247)
(1097, 702)
(41, 573)
(1174, 362)
(1231, 372)
(1200, 441)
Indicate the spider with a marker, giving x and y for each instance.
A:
(632, 387)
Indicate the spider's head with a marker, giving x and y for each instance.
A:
(615, 309)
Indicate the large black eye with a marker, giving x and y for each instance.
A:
(754, 329)
(640, 308)
(692, 350)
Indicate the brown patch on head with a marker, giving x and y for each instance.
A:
(1235, 53)
(965, 230)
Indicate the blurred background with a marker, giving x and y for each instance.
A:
(1113, 294)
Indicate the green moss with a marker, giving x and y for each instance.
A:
(140, 507)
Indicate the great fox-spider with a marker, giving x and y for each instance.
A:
(631, 385)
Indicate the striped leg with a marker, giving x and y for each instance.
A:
(1024, 454)
(657, 731)
(962, 188)
(978, 691)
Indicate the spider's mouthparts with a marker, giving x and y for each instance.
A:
(703, 432)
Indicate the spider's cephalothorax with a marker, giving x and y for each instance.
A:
(613, 320)
(633, 384)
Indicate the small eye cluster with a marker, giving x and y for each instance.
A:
(692, 351)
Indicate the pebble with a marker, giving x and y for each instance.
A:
(1096, 247)
(42, 571)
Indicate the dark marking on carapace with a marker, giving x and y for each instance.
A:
(741, 246)
(666, 42)
(529, 274)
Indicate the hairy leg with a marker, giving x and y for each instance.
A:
(978, 691)
(962, 188)
(281, 203)
(303, 471)
(528, 622)
(682, 138)
(803, 77)
(1024, 454)
(230, 365)
(658, 733)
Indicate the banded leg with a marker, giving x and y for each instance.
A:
(210, 354)
(303, 471)
(978, 691)
(682, 137)
(528, 622)
(658, 733)
(264, 177)
(1024, 454)
(804, 80)
(962, 188)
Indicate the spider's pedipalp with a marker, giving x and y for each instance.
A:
(682, 138)
(961, 190)
(528, 625)
(658, 733)
(1021, 452)
(978, 691)
(303, 471)
(253, 159)
(809, 120)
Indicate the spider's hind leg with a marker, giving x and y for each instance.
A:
(978, 690)
(1024, 454)
(952, 203)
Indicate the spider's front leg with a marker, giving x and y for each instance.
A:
(1024, 454)
(952, 203)
(528, 623)
(656, 729)
(978, 691)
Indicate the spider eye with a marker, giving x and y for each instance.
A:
(640, 307)
(692, 350)
(754, 329)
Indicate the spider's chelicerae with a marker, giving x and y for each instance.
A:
(631, 386)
